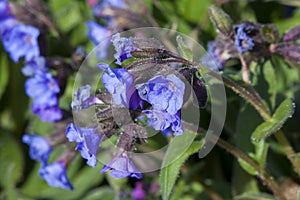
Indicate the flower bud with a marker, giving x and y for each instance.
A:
(221, 20)
(292, 35)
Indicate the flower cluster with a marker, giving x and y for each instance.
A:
(55, 173)
(21, 40)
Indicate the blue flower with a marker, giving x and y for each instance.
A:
(163, 121)
(43, 88)
(163, 93)
(34, 66)
(123, 47)
(122, 167)
(214, 59)
(6, 25)
(99, 7)
(99, 35)
(119, 82)
(21, 41)
(88, 142)
(56, 176)
(243, 41)
(4, 9)
(40, 147)
(46, 112)
(83, 99)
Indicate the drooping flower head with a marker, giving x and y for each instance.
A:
(22, 41)
(87, 142)
(99, 34)
(243, 40)
(55, 175)
(40, 147)
(119, 82)
(121, 167)
(47, 113)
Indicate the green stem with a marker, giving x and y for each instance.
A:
(290, 153)
(262, 173)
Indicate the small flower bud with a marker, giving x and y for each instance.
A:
(221, 20)
(290, 51)
(292, 35)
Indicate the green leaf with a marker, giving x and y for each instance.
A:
(283, 112)
(248, 168)
(4, 73)
(178, 151)
(261, 151)
(12, 164)
(254, 196)
(184, 51)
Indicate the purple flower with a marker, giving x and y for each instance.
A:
(214, 59)
(6, 25)
(163, 93)
(123, 47)
(163, 121)
(4, 9)
(88, 142)
(83, 99)
(45, 112)
(122, 167)
(34, 66)
(21, 41)
(40, 147)
(99, 34)
(138, 193)
(56, 176)
(99, 7)
(243, 41)
(44, 89)
(119, 82)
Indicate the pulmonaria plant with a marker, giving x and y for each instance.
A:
(130, 100)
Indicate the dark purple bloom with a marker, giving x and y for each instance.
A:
(122, 166)
(56, 176)
(4, 9)
(243, 41)
(34, 66)
(83, 99)
(138, 193)
(40, 147)
(163, 93)
(21, 41)
(88, 142)
(123, 47)
(163, 121)
(119, 82)
(99, 35)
